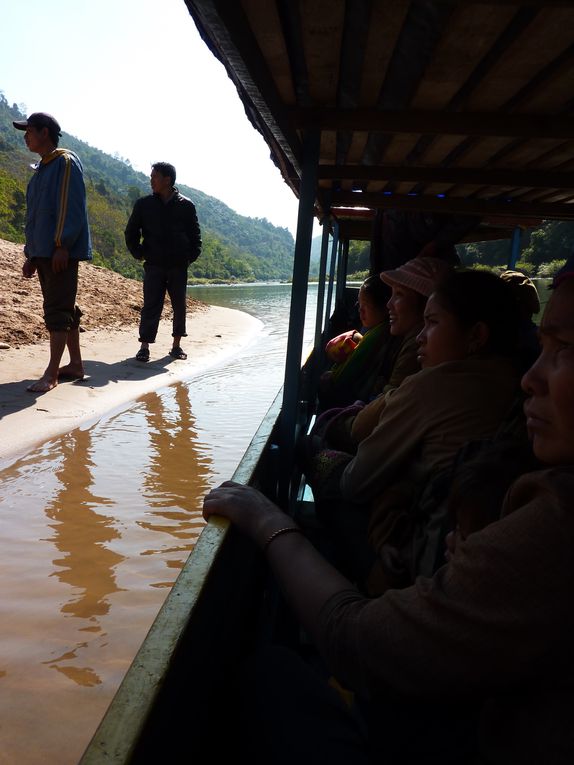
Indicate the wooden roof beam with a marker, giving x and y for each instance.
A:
(353, 47)
(518, 100)
(521, 20)
(460, 205)
(455, 175)
(532, 3)
(437, 123)
(290, 19)
(415, 46)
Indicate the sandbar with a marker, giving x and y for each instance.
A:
(113, 376)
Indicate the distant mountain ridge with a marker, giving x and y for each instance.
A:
(235, 247)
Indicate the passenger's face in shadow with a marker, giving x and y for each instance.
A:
(405, 310)
(369, 313)
(443, 338)
(550, 382)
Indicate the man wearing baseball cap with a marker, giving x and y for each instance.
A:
(57, 238)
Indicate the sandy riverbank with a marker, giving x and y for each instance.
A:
(113, 376)
(110, 304)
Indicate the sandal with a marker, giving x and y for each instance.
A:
(143, 354)
(177, 353)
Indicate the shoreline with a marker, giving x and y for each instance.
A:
(113, 376)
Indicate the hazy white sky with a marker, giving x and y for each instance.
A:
(134, 77)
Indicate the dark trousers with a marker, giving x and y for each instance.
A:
(158, 280)
(61, 314)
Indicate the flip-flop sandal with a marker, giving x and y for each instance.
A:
(177, 353)
(143, 354)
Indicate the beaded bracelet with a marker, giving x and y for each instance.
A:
(284, 530)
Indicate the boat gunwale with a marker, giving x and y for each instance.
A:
(121, 727)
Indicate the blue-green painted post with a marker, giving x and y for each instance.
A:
(332, 267)
(321, 288)
(515, 243)
(342, 270)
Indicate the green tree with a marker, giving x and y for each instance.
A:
(235, 247)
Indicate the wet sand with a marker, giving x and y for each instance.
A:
(113, 376)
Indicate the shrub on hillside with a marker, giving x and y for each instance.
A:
(550, 269)
(496, 270)
(358, 276)
(527, 268)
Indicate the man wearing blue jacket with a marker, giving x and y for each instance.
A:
(57, 238)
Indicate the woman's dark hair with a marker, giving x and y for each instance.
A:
(376, 289)
(480, 296)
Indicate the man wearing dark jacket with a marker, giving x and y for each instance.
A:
(163, 232)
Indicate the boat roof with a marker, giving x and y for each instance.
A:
(456, 106)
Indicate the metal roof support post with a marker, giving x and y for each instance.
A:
(515, 246)
(318, 343)
(342, 270)
(291, 404)
(334, 250)
(319, 325)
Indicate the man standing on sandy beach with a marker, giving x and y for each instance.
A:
(163, 231)
(57, 238)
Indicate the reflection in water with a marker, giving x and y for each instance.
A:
(178, 473)
(82, 536)
(96, 525)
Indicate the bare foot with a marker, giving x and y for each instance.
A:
(71, 372)
(43, 385)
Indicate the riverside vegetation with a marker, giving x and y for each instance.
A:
(544, 251)
(235, 247)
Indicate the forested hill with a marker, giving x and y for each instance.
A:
(235, 247)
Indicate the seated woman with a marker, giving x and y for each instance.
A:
(494, 626)
(466, 386)
(358, 356)
(528, 301)
(411, 284)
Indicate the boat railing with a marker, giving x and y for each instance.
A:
(218, 591)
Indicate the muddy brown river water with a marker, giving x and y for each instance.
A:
(96, 525)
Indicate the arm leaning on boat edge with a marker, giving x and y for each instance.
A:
(430, 639)
(258, 518)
